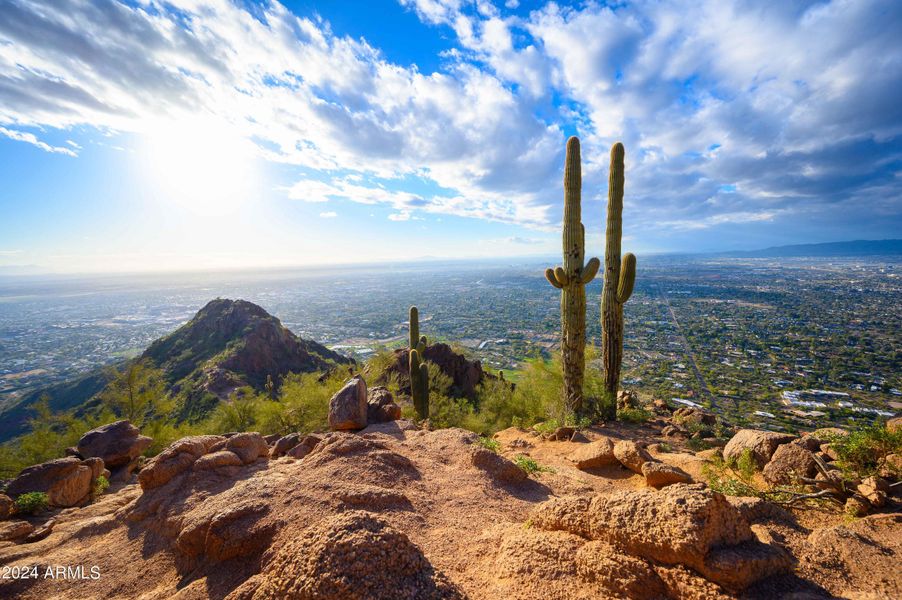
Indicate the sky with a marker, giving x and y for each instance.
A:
(195, 134)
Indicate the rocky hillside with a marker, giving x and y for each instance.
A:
(229, 344)
(391, 511)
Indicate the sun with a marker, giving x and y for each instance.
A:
(203, 165)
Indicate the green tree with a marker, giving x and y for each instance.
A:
(138, 393)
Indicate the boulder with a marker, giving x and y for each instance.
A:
(687, 525)
(497, 467)
(6, 506)
(249, 446)
(117, 443)
(272, 438)
(672, 431)
(40, 533)
(631, 455)
(828, 451)
(808, 442)
(305, 446)
(661, 406)
(789, 462)
(11, 531)
(857, 506)
(66, 481)
(690, 415)
(284, 444)
(177, 458)
(596, 454)
(349, 556)
(381, 406)
(658, 474)
(875, 489)
(214, 460)
(348, 407)
(892, 466)
(762, 445)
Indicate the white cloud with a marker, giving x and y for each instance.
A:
(30, 138)
(330, 214)
(729, 110)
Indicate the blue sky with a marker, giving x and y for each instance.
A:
(149, 135)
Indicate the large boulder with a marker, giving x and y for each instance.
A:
(680, 525)
(304, 446)
(599, 453)
(631, 455)
(66, 481)
(894, 424)
(117, 443)
(789, 462)
(15, 530)
(690, 415)
(381, 406)
(658, 474)
(351, 556)
(284, 444)
(248, 446)
(348, 407)
(762, 445)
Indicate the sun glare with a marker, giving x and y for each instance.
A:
(204, 166)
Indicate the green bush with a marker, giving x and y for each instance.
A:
(32, 503)
(633, 415)
(864, 451)
(734, 478)
(100, 485)
(489, 444)
(530, 466)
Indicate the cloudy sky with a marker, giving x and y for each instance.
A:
(202, 133)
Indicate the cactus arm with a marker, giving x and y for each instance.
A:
(627, 277)
(561, 275)
(590, 270)
(424, 391)
(549, 275)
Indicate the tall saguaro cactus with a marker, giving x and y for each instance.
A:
(571, 279)
(419, 372)
(619, 277)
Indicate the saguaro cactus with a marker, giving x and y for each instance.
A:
(619, 278)
(571, 279)
(419, 372)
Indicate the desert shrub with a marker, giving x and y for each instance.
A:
(238, 413)
(530, 466)
(733, 478)
(32, 503)
(697, 444)
(633, 415)
(489, 443)
(445, 411)
(864, 450)
(665, 447)
(100, 486)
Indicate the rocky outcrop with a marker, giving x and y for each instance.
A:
(284, 444)
(66, 481)
(348, 407)
(599, 453)
(681, 525)
(304, 446)
(380, 406)
(15, 530)
(175, 459)
(353, 556)
(761, 444)
(465, 374)
(6, 506)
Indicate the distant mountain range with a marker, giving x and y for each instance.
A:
(853, 248)
(228, 344)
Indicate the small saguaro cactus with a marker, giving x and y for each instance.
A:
(619, 277)
(571, 279)
(419, 372)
